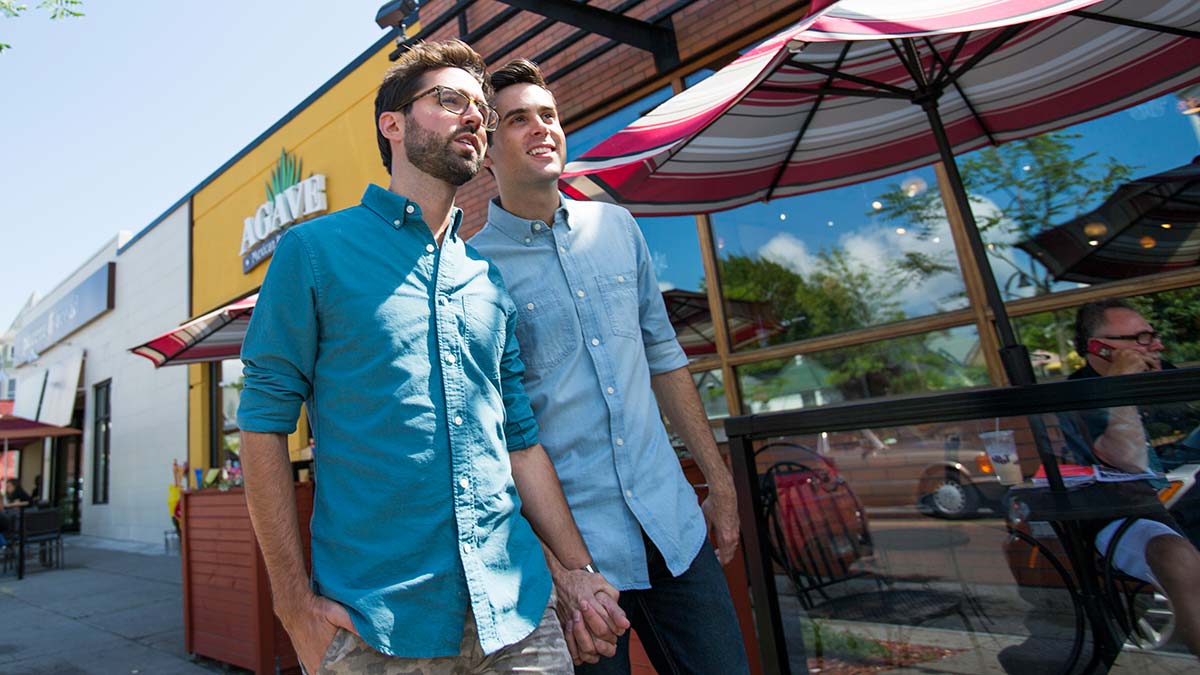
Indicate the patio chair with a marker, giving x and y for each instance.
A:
(40, 530)
(817, 527)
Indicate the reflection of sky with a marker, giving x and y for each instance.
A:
(1152, 137)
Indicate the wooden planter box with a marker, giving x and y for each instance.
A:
(227, 612)
(739, 590)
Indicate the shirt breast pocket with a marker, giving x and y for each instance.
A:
(487, 325)
(619, 294)
(543, 331)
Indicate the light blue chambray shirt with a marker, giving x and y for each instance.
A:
(405, 356)
(593, 329)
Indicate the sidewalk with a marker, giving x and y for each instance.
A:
(115, 607)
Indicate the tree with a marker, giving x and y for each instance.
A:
(836, 296)
(59, 9)
(1035, 183)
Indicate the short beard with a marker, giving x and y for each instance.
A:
(436, 156)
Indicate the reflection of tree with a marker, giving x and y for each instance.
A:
(1035, 183)
(1176, 317)
(835, 296)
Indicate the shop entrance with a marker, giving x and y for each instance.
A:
(66, 473)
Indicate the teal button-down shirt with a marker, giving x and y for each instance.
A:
(405, 355)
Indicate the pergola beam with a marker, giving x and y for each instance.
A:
(658, 40)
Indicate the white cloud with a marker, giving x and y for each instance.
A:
(787, 250)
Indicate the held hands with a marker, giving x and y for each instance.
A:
(590, 616)
(720, 511)
(312, 623)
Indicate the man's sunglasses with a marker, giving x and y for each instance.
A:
(1144, 338)
(457, 102)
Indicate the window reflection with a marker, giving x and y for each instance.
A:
(930, 362)
(1048, 335)
(836, 261)
(231, 389)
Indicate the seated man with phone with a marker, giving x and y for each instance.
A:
(1117, 340)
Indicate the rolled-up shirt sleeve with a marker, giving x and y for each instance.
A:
(520, 426)
(280, 348)
(663, 352)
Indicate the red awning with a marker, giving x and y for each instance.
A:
(19, 430)
(215, 336)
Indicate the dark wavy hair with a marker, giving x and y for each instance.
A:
(404, 78)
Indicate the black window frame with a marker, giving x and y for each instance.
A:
(101, 440)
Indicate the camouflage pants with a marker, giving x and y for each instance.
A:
(542, 652)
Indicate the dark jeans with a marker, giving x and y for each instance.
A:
(686, 623)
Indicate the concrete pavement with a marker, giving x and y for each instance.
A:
(115, 607)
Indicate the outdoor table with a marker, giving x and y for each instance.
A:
(1066, 512)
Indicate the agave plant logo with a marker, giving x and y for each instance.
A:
(285, 174)
(290, 198)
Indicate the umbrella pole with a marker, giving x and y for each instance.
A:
(1013, 354)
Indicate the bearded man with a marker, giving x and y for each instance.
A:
(400, 340)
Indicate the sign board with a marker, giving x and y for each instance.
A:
(289, 200)
(92, 297)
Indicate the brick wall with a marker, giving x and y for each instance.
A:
(705, 30)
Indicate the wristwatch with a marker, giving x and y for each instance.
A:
(589, 568)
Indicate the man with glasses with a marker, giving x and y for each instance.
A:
(601, 358)
(400, 340)
(1116, 340)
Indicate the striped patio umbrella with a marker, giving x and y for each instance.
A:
(212, 337)
(1148, 225)
(862, 89)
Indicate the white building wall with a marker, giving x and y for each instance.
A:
(148, 406)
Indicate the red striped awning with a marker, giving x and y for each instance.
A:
(829, 102)
(215, 336)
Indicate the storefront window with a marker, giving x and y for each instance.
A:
(1049, 336)
(934, 361)
(230, 387)
(835, 261)
(1024, 187)
(102, 424)
(711, 385)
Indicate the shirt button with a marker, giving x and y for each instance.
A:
(396, 221)
(562, 249)
(409, 209)
(464, 483)
(429, 248)
(620, 441)
(466, 547)
(527, 240)
(611, 390)
(457, 421)
(620, 278)
(537, 226)
(629, 493)
(450, 359)
(529, 307)
(580, 293)
(595, 342)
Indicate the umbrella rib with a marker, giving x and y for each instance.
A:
(850, 78)
(997, 42)
(970, 106)
(1134, 23)
(812, 112)
(948, 62)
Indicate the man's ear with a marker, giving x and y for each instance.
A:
(391, 125)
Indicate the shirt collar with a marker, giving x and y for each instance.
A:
(398, 210)
(519, 228)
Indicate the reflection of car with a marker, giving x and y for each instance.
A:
(940, 477)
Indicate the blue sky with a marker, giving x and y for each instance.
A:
(110, 118)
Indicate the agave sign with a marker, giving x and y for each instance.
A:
(289, 200)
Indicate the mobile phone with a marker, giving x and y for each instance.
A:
(1104, 351)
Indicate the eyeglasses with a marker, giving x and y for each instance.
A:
(454, 101)
(1144, 338)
